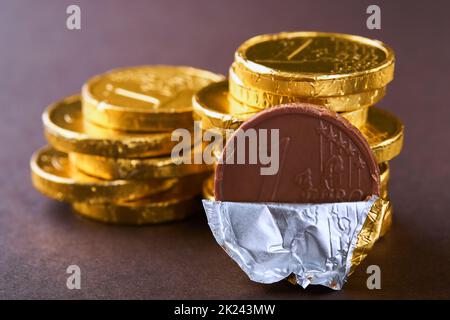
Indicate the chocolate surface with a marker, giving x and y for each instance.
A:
(322, 158)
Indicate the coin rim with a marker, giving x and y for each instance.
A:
(72, 141)
(55, 182)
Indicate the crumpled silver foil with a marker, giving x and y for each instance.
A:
(271, 241)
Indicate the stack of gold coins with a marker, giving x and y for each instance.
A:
(110, 147)
(343, 73)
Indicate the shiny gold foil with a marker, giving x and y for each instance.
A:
(383, 131)
(387, 220)
(140, 212)
(144, 98)
(138, 168)
(357, 117)
(53, 176)
(217, 110)
(67, 131)
(174, 204)
(212, 107)
(263, 99)
(384, 179)
(376, 225)
(314, 64)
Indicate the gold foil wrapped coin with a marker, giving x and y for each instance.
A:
(384, 132)
(138, 168)
(314, 64)
(66, 130)
(357, 117)
(212, 107)
(218, 110)
(53, 175)
(146, 211)
(263, 99)
(174, 204)
(144, 98)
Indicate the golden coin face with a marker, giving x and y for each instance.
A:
(66, 129)
(316, 53)
(141, 98)
(54, 176)
(149, 88)
(314, 64)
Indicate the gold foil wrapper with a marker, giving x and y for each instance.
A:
(144, 98)
(262, 99)
(358, 117)
(376, 225)
(212, 108)
(139, 168)
(54, 176)
(146, 211)
(217, 110)
(314, 64)
(385, 133)
(67, 131)
(175, 204)
(385, 175)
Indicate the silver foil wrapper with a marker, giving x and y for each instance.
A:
(270, 241)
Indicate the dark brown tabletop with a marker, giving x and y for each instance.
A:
(41, 61)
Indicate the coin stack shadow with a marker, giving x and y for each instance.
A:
(110, 147)
(343, 73)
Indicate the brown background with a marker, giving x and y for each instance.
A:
(41, 61)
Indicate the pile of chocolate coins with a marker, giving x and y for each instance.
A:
(109, 151)
(344, 74)
(114, 154)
